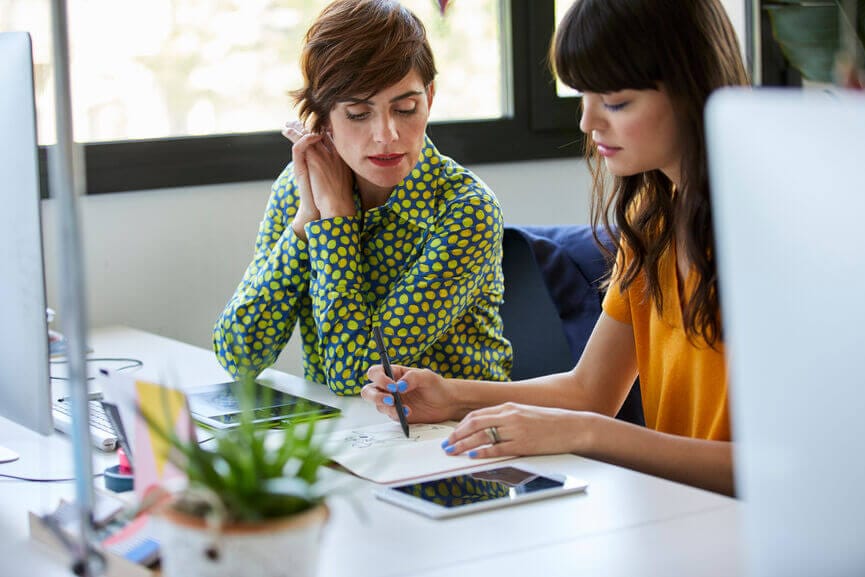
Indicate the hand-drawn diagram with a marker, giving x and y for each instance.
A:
(381, 452)
(389, 436)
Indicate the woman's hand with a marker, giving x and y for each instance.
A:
(307, 211)
(323, 179)
(427, 395)
(521, 430)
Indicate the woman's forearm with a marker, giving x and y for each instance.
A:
(558, 390)
(599, 383)
(697, 462)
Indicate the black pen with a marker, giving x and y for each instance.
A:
(385, 363)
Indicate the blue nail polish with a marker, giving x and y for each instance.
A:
(405, 411)
(391, 387)
(402, 386)
(445, 444)
(450, 449)
(388, 401)
(473, 454)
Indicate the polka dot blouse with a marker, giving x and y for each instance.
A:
(425, 266)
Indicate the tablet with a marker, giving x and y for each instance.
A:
(479, 490)
(217, 406)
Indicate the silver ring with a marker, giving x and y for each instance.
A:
(493, 434)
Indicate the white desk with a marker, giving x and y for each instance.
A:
(626, 524)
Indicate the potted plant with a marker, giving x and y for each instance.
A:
(249, 507)
(812, 34)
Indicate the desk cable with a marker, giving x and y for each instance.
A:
(130, 364)
(64, 479)
(35, 480)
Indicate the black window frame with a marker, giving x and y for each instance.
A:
(541, 126)
(774, 69)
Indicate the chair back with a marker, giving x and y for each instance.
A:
(552, 301)
(531, 321)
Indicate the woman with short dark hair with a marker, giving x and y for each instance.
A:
(370, 224)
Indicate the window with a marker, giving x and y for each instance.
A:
(183, 92)
(561, 7)
(554, 105)
(773, 69)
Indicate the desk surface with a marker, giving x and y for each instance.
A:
(627, 523)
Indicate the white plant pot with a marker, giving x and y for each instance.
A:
(275, 548)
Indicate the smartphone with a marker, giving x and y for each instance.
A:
(479, 491)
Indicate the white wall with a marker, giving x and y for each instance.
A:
(167, 261)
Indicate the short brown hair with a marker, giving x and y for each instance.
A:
(359, 47)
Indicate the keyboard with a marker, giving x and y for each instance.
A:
(102, 434)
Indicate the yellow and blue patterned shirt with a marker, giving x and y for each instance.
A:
(425, 266)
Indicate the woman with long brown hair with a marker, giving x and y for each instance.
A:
(645, 69)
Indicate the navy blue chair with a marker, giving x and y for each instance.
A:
(552, 301)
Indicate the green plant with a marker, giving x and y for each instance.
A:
(244, 478)
(811, 33)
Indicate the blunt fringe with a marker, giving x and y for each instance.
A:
(690, 48)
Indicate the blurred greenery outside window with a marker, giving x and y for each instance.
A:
(168, 68)
(154, 81)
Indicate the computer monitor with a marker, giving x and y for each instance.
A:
(788, 202)
(25, 391)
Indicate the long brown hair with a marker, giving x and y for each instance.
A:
(359, 47)
(689, 47)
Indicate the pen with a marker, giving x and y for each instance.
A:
(385, 363)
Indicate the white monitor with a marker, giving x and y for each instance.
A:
(788, 196)
(24, 376)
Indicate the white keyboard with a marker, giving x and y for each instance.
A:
(102, 434)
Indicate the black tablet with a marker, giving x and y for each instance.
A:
(218, 407)
(479, 490)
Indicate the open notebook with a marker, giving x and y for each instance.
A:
(382, 453)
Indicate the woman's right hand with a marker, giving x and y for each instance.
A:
(427, 395)
(307, 211)
(324, 180)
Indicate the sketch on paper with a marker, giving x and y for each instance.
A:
(381, 437)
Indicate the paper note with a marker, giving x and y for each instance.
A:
(381, 453)
(168, 410)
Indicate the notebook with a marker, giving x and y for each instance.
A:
(788, 195)
(383, 454)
